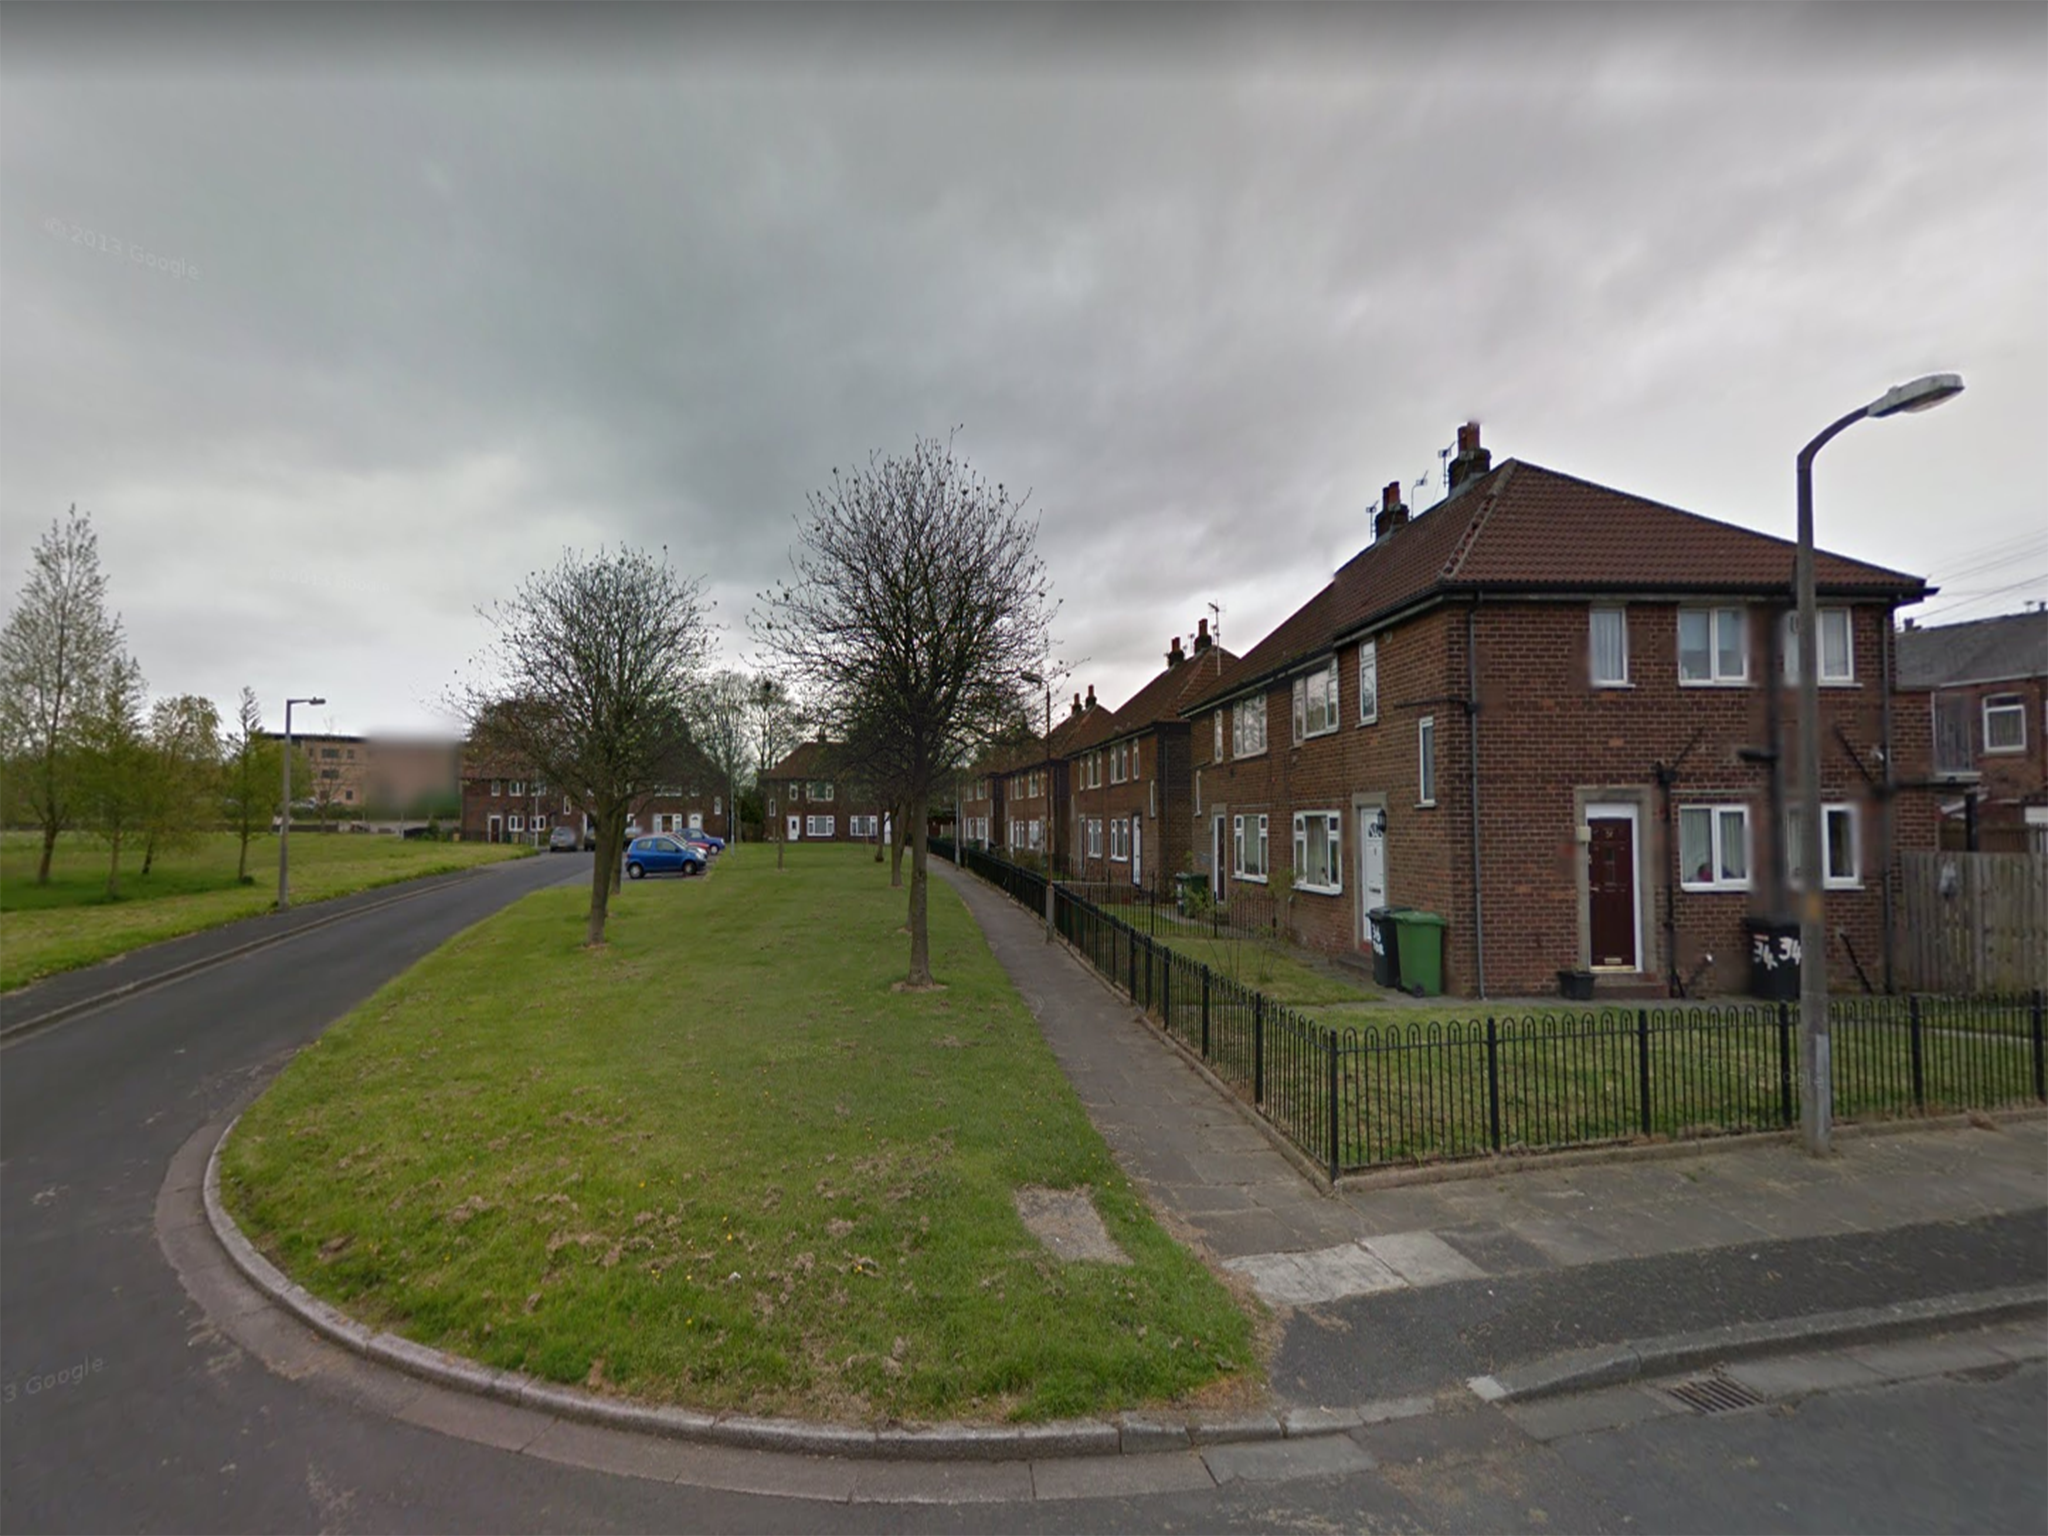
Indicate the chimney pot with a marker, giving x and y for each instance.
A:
(1472, 460)
(1175, 655)
(1091, 697)
(1203, 639)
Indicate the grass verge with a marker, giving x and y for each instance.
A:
(725, 1162)
(70, 922)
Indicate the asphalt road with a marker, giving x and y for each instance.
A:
(158, 1422)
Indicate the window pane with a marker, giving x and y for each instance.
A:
(1734, 845)
(1834, 643)
(1732, 643)
(1695, 659)
(1427, 733)
(1368, 680)
(1841, 826)
(2005, 723)
(1695, 845)
(1610, 646)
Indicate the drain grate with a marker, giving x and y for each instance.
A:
(1713, 1394)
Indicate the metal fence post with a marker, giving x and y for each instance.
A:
(1492, 1083)
(1919, 1068)
(1643, 1065)
(1166, 993)
(1258, 1047)
(1785, 1062)
(1205, 1018)
(1131, 946)
(1331, 1038)
(2040, 1062)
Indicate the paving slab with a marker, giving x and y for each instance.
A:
(1910, 1359)
(1283, 1461)
(1588, 1413)
(1796, 1375)
(1421, 1258)
(1122, 1477)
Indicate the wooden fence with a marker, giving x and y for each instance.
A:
(1974, 922)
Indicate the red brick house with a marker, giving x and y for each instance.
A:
(812, 797)
(1547, 711)
(503, 802)
(1987, 687)
(1132, 813)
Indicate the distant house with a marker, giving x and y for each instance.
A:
(1986, 684)
(385, 775)
(1133, 787)
(504, 801)
(1556, 714)
(811, 796)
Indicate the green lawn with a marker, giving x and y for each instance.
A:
(724, 1162)
(70, 922)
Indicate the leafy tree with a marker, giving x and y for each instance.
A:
(252, 777)
(181, 767)
(55, 654)
(593, 668)
(113, 761)
(917, 599)
(720, 716)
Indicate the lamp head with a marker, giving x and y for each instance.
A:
(1033, 679)
(1922, 394)
(316, 701)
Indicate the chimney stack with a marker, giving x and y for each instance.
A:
(1472, 460)
(1091, 697)
(1203, 639)
(1392, 514)
(1077, 706)
(1175, 655)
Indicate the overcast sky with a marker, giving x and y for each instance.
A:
(475, 287)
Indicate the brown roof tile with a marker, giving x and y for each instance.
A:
(1523, 528)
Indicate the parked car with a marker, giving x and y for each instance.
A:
(563, 840)
(663, 855)
(710, 845)
(699, 835)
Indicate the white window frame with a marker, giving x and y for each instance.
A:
(1316, 696)
(1034, 834)
(860, 826)
(1425, 761)
(2001, 705)
(821, 826)
(1216, 749)
(1094, 826)
(518, 787)
(1248, 725)
(1593, 617)
(1328, 878)
(1795, 847)
(497, 788)
(819, 790)
(1249, 833)
(1368, 681)
(1718, 813)
(1836, 677)
(1119, 840)
(515, 823)
(1717, 619)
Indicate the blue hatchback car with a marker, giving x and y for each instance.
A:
(662, 855)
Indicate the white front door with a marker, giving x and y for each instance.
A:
(796, 828)
(1137, 837)
(1372, 870)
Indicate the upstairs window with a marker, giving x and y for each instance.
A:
(1368, 682)
(1315, 702)
(1216, 749)
(2005, 723)
(1713, 645)
(1248, 727)
(1609, 639)
(1425, 754)
(820, 791)
(1837, 658)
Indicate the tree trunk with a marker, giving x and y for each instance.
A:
(114, 868)
(899, 836)
(148, 854)
(920, 934)
(49, 848)
(600, 883)
(242, 868)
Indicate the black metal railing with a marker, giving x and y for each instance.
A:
(1436, 1089)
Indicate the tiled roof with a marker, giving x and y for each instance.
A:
(1523, 528)
(1981, 651)
(1162, 698)
(808, 760)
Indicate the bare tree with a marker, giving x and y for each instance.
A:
(720, 714)
(57, 648)
(181, 769)
(917, 598)
(113, 760)
(591, 674)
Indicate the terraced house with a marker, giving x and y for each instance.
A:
(1560, 716)
(1132, 787)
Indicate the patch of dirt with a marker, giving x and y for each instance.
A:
(1066, 1221)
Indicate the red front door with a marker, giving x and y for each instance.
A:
(1611, 892)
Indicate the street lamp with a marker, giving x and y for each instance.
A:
(284, 822)
(1816, 1111)
(1045, 682)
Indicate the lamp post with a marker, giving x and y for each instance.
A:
(1816, 1105)
(1045, 681)
(284, 821)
